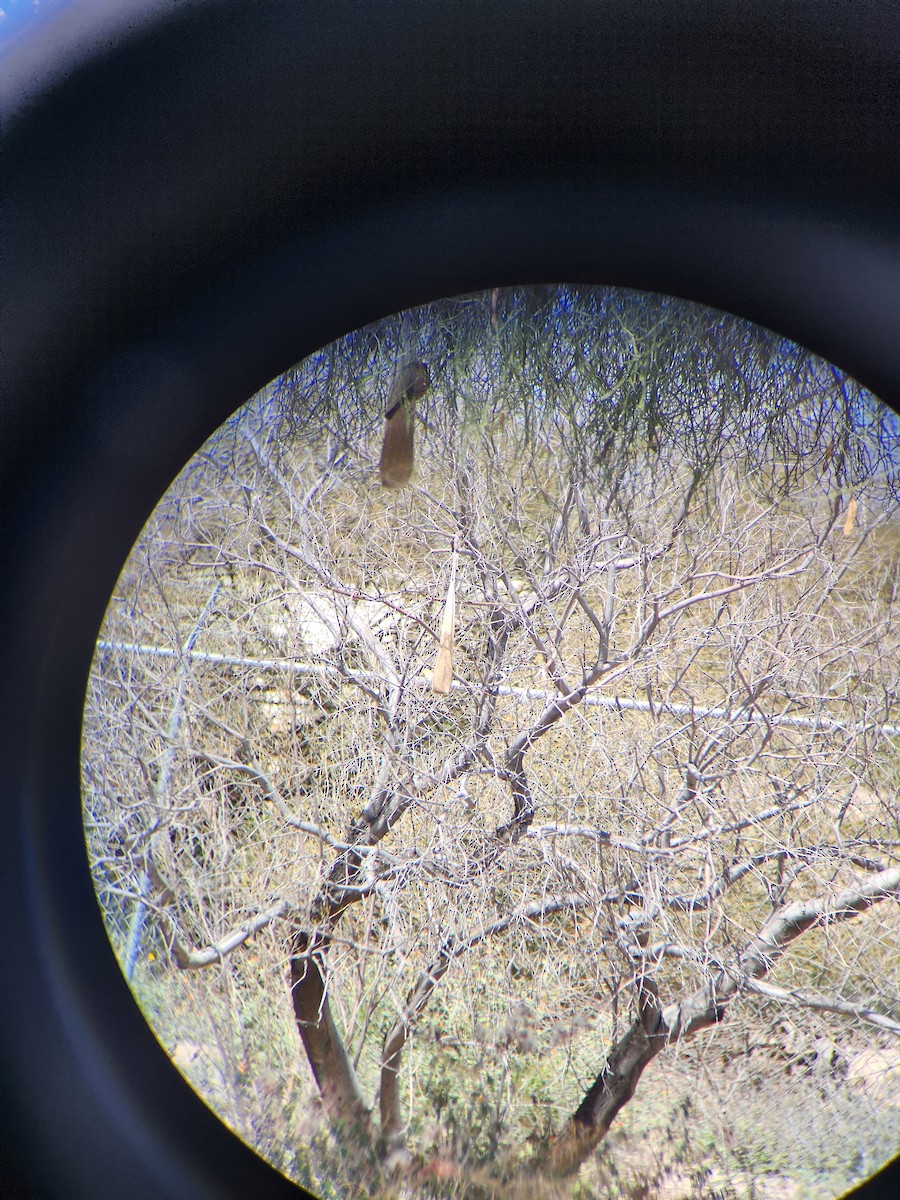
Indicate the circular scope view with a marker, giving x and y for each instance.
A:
(492, 753)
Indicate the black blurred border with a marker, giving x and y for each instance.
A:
(205, 198)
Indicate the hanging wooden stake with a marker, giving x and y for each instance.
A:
(442, 675)
(851, 517)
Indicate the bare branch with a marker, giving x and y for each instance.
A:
(804, 999)
(197, 960)
(791, 921)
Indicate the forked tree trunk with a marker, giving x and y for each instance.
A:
(659, 1027)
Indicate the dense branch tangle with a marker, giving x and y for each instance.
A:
(668, 856)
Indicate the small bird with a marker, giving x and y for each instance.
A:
(396, 464)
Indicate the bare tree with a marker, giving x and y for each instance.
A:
(660, 791)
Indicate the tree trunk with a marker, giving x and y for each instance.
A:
(333, 1071)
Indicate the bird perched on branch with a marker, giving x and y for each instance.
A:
(396, 464)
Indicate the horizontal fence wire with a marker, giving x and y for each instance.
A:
(593, 699)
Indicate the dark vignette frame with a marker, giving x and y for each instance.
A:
(199, 201)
